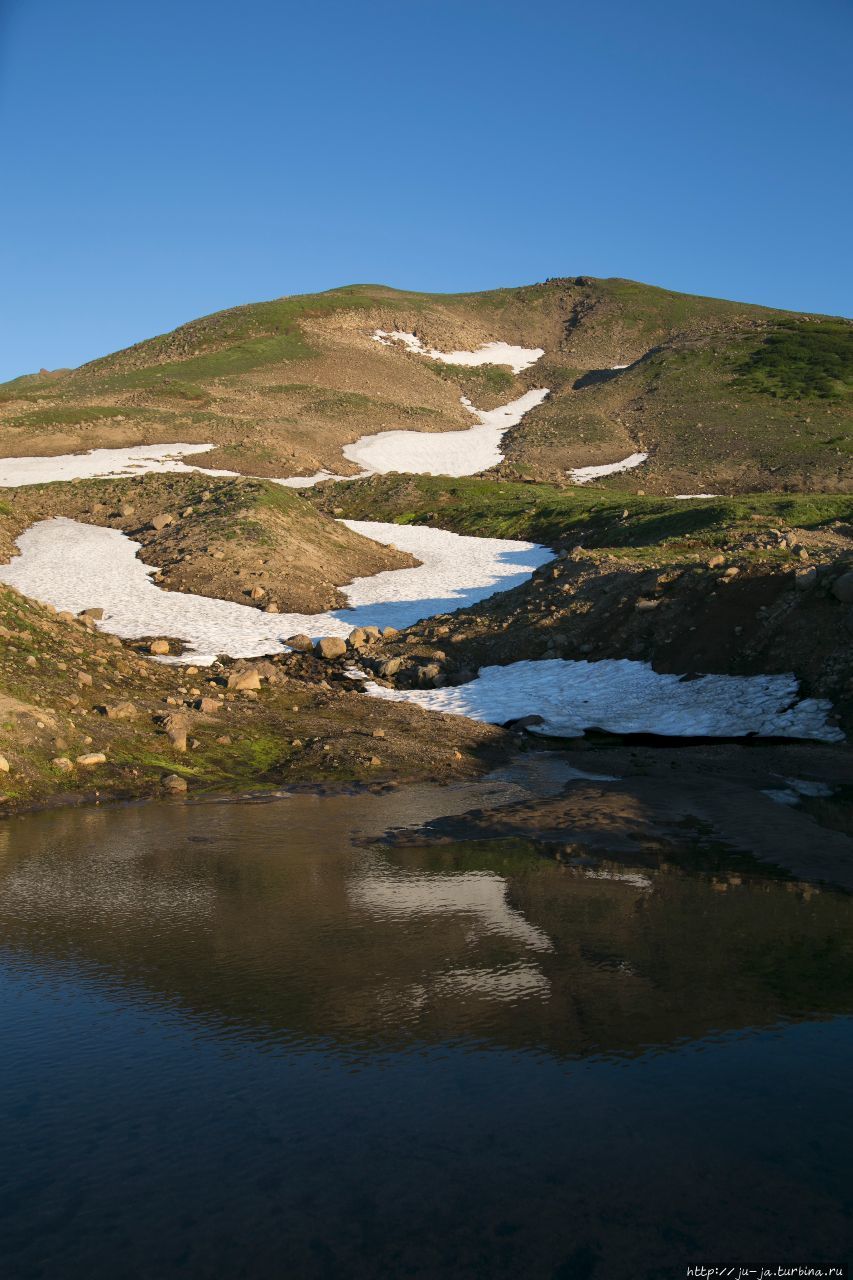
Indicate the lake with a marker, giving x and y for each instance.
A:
(255, 1039)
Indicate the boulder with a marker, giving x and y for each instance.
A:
(162, 520)
(716, 562)
(158, 646)
(62, 763)
(805, 579)
(4, 765)
(390, 667)
(91, 759)
(120, 711)
(300, 643)
(272, 607)
(842, 588)
(208, 706)
(257, 593)
(95, 613)
(244, 680)
(357, 638)
(330, 647)
(84, 679)
(174, 783)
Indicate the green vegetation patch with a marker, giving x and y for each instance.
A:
(542, 513)
(802, 360)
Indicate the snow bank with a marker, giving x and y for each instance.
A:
(622, 696)
(446, 453)
(583, 475)
(102, 464)
(77, 566)
(518, 358)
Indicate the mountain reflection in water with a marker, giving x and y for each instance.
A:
(463, 1059)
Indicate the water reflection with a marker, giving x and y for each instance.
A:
(240, 1041)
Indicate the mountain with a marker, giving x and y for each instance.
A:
(723, 396)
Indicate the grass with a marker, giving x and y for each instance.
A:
(802, 360)
(544, 514)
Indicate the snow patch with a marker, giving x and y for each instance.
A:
(686, 497)
(583, 475)
(77, 566)
(518, 358)
(622, 696)
(445, 453)
(103, 464)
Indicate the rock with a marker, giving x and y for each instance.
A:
(244, 680)
(372, 633)
(62, 763)
(389, 631)
(208, 706)
(716, 562)
(128, 510)
(732, 571)
(357, 638)
(120, 711)
(842, 588)
(158, 646)
(804, 579)
(84, 679)
(174, 783)
(272, 607)
(390, 667)
(257, 593)
(375, 762)
(644, 604)
(65, 615)
(91, 759)
(300, 643)
(223, 740)
(428, 673)
(96, 613)
(330, 647)
(4, 765)
(161, 521)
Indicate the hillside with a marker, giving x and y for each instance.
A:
(723, 397)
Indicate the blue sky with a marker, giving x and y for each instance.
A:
(166, 159)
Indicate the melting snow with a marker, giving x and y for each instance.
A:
(622, 696)
(518, 358)
(103, 463)
(685, 497)
(583, 475)
(445, 453)
(77, 566)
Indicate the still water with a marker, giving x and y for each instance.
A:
(253, 1040)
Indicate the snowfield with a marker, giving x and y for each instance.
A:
(518, 358)
(622, 696)
(103, 464)
(444, 453)
(78, 566)
(583, 475)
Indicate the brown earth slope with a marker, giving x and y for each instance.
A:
(723, 396)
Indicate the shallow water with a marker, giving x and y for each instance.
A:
(251, 1039)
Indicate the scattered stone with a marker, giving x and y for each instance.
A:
(158, 646)
(91, 759)
(272, 607)
(4, 765)
(804, 579)
(62, 763)
(161, 521)
(390, 667)
(330, 647)
(257, 593)
(732, 571)
(208, 706)
(716, 562)
(175, 783)
(300, 643)
(842, 588)
(224, 740)
(244, 680)
(389, 631)
(375, 762)
(94, 613)
(84, 679)
(357, 638)
(120, 711)
(378, 733)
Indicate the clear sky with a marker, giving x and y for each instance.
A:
(169, 158)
